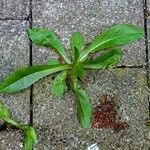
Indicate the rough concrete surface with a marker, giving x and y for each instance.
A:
(14, 8)
(55, 120)
(10, 140)
(148, 25)
(14, 52)
(90, 17)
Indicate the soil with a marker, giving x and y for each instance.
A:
(105, 115)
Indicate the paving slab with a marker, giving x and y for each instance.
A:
(55, 120)
(14, 9)
(57, 125)
(14, 53)
(148, 27)
(90, 17)
(10, 140)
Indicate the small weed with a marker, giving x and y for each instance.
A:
(29, 133)
(72, 68)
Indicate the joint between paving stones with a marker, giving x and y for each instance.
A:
(145, 10)
(14, 19)
(145, 16)
(31, 63)
(131, 66)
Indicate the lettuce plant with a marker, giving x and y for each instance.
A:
(28, 131)
(73, 68)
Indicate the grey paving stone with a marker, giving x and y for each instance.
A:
(11, 140)
(57, 125)
(54, 119)
(14, 8)
(90, 17)
(148, 26)
(14, 53)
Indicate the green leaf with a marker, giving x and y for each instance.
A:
(30, 138)
(115, 36)
(44, 37)
(107, 60)
(59, 84)
(77, 41)
(76, 55)
(78, 70)
(29, 133)
(25, 77)
(4, 112)
(53, 62)
(5, 115)
(84, 108)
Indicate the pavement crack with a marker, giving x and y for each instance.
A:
(31, 63)
(145, 16)
(13, 19)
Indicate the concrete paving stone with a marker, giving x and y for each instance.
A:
(14, 8)
(90, 17)
(11, 140)
(14, 53)
(148, 26)
(57, 125)
(55, 120)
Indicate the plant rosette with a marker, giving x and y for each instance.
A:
(73, 68)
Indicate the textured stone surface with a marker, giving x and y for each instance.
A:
(14, 8)
(148, 25)
(57, 124)
(14, 52)
(54, 119)
(90, 17)
(10, 140)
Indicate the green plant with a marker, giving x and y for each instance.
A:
(29, 133)
(74, 68)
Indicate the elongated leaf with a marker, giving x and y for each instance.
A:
(115, 36)
(44, 37)
(77, 42)
(53, 62)
(107, 60)
(59, 84)
(5, 115)
(25, 77)
(84, 108)
(29, 138)
(29, 133)
(76, 55)
(4, 112)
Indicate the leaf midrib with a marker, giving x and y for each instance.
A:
(89, 50)
(84, 114)
(12, 82)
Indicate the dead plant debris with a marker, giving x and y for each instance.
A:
(105, 115)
